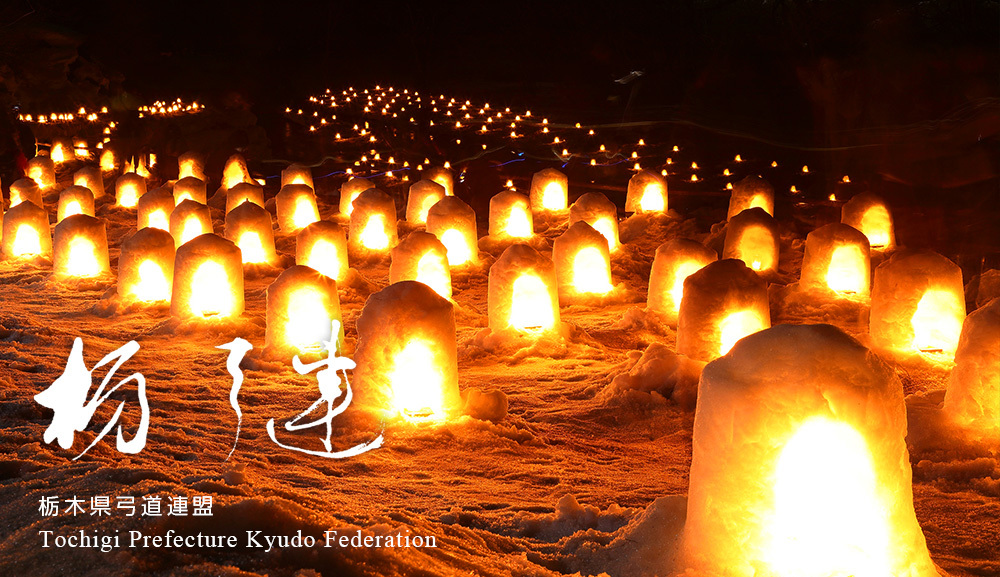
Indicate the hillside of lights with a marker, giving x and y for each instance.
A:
(591, 349)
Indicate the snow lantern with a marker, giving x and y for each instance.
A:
(443, 177)
(373, 222)
(510, 215)
(90, 177)
(190, 187)
(751, 192)
(154, 209)
(107, 161)
(208, 279)
(596, 210)
(837, 260)
(25, 189)
(189, 219)
(423, 258)
(297, 174)
(26, 231)
(423, 195)
(244, 192)
(675, 260)
(296, 207)
(235, 172)
(647, 192)
(582, 261)
(723, 302)
(249, 226)
(301, 307)
(60, 151)
(322, 246)
(973, 397)
(80, 247)
(75, 200)
(129, 187)
(454, 222)
(350, 190)
(752, 236)
(42, 170)
(146, 266)
(190, 165)
(549, 191)
(407, 357)
(522, 293)
(870, 214)
(918, 304)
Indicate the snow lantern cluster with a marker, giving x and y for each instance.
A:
(190, 187)
(244, 192)
(42, 170)
(249, 227)
(75, 200)
(80, 247)
(510, 216)
(442, 176)
(25, 189)
(154, 209)
(751, 192)
(675, 260)
(596, 210)
(582, 262)
(973, 396)
(129, 187)
(322, 246)
(26, 232)
(870, 214)
(146, 266)
(799, 463)
(373, 223)
(422, 257)
(350, 190)
(297, 174)
(296, 207)
(190, 165)
(549, 192)
(208, 279)
(837, 261)
(647, 192)
(522, 293)
(188, 220)
(422, 196)
(302, 306)
(90, 177)
(454, 223)
(752, 237)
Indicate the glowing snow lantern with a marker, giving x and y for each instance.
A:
(423, 195)
(190, 165)
(107, 160)
(80, 248)
(296, 207)
(454, 222)
(154, 209)
(522, 293)
(244, 192)
(799, 464)
(129, 187)
(75, 200)
(191, 187)
(208, 279)
(752, 236)
(837, 260)
(249, 226)
(25, 189)
(675, 260)
(297, 174)
(582, 261)
(870, 214)
(373, 222)
(350, 190)
(235, 172)
(42, 170)
(973, 397)
(26, 231)
(723, 302)
(918, 304)
(510, 215)
(751, 192)
(423, 258)
(59, 151)
(189, 220)
(322, 246)
(146, 266)
(549, 191)
(90, 177)
(407, 357)
(301, 307)
(596, 210)
(647, 192)
(443, 177)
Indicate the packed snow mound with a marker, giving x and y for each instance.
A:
(570, 517)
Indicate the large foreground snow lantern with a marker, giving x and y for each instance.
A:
(351, 190)
(42, 170)
(522, 294)
(723, 302)
(322, 246)
(75, 200)
(250, 227)
(244, 192)
(189, 219)
(208, 279)
(297, 174)
(407, 354)
(301, 307)
(423, 258)
(373, 223)
(296, 207)
(190, 187)
(918, 305)
(26, 232)
(973, 397)
(154, 209)
(235, 172)
(442, 176)
(647, 192)
(146, 266)
(510, 216)
(799, 465)
(549, 191)
(870, 214)
(675, 260)
(582, 261)
(454, 222)
(596, 210)
(422, 196)
(751, 192)
(837, 261)
(90, 177)
(752, 236)
(25, 189)
(80, 247)
(129, 187)
(190, 165)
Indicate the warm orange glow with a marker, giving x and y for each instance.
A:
(374, 236)
(324, 259)
(684, 270)
(252, 247)
(554, 196)
(754, 248)
(759, 201)
(531, 305)
(846, 273)
(736, 326)
(27, 241)
(37, 174)
(152, 285)
(459, 251)
(876, 225)
(350, 205)
(193, 227)
(129, 196)
(937, 322)
(72, 207)
(432, 272)
(305, 212)
(211, 294)
(518, 222)
(57, 153)
(417, 380)
(590, 272)
(606, 227)
(425, 206)
(308, 324)
(186, 168)
(233, 174)
(158, 219)
(652, 198)
(82, 260)
(107, 160)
